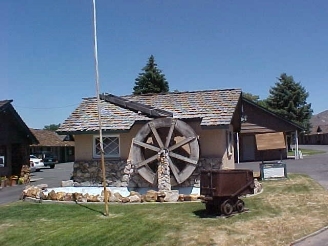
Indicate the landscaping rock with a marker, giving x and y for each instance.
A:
(67, 183)
(125, 200)
(171, 196)
(150, 196)
(135, 198)
(191, 197)
(118, 197)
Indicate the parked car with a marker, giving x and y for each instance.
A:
(32, 167)
(48, 158)
(36, 163)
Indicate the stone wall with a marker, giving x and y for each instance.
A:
(120, 173)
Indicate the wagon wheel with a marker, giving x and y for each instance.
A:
(173, 136)
(227, 208)
(240, 206)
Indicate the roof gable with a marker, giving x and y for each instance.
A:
(272, 120)
(213, 107)
(6, 107)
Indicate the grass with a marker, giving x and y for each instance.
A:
(309, 151)
(285, 211)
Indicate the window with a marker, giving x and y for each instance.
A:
(229, 143)
(111, 146)
(2, 155)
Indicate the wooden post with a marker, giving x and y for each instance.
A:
(99, 110)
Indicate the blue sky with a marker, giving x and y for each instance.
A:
(47, 56)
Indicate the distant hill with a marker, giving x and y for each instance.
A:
(319, 122)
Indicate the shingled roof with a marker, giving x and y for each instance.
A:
(7, 108)
(49, 139)
(213, 107)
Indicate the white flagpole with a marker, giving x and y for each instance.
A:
(99, 109)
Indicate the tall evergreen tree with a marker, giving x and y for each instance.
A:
(151, 80)
(288, 99)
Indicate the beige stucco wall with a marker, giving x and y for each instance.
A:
(213, 144)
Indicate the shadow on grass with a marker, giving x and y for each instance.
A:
(202, 213)
(92, 209)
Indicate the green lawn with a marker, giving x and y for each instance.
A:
(286, 210)
(309, 152)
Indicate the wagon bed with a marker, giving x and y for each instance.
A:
(221, 189)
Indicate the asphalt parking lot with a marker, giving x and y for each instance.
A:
(51, 177)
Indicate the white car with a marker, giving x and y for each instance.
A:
(36, 163)
(32, 167)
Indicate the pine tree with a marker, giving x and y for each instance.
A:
(288, 99)
(151, 80)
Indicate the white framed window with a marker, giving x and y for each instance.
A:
(111, 146)
(229, 135)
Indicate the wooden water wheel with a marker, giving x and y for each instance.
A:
(173, 136)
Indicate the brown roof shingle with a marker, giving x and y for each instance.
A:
(213, 107)
(49, 138)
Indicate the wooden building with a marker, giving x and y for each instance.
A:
(258, 120)
(50, 141)
(15, 139)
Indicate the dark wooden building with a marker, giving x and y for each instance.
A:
(15, 139)
(258, 120)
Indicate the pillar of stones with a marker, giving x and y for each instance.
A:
(163, 171)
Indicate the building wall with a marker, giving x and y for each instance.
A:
(14, 146)
(214, 153)
(212, 142)
(260, 121)
(319, 138)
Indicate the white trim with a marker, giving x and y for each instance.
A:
(229, 138)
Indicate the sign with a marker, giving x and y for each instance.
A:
(268, 141)
(273, 170)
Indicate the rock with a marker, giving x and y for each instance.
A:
(32, 192)
(67, 197)
(151, 196)
(191, 197)
(125, 199)
(52, 195)
(181, 198)
(93, 198)
(258, 186)
(60, 196)
(118, 196)
(135, 198)
(43, 196)
(133, 193)
(171, 196)
(67, 183)
(77, 196)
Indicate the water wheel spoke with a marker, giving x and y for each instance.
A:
(174, 170)
(145, 162)
(169, 135)
(181, 143)
(183, 158)
(146, 145)
(156, 135)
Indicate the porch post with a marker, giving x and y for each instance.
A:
(296, 146)
(237, 147)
